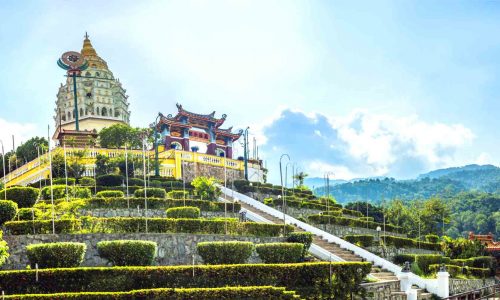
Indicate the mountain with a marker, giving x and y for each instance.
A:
(314, 182)
(443, 182)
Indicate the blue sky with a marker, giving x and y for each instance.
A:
(360, 88)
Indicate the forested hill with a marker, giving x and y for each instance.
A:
(444, 183)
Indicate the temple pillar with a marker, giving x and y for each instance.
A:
(229, 152)
(211, 148)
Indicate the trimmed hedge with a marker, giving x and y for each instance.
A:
(455, 270)
(400, 259)
(87, 181)
(110, 180)
(233, 252)
(343, 221)
(400, 242)
(71, 181)
(110, 194)
(8, 210)
(4, 254)
(151, 192)
(451, 269)
(155, 203)
(56, 255)
(309, 279)
(303, 237)
(488, 262)
(271, 253)
(59, 192)
(243, 292)
(177, 194)
(425, 260)
(28, 214)
(432, 238)
(135, 181)
(23, 196)
(155, 225)
(364, 240)
(189, 212)
(128, 252)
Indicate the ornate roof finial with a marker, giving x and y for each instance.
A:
(86, 35)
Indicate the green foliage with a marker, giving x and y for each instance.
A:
(8, 210)
(56, 255)
(119, 135)
(155, 225)
(59, 192)
(155, 203)
(151, 192)
(280, 252)
(71, 181)
(87, 181)
(128, 252)
(456, 270)
(303, 237)
(23, 196)
(343, 221)
(110, 194)
(425, 260)
(206, 187)
(400, 242)
(4, 254)
(300, 178)
(311, 280)
(110, 180)
(363, 240)
(462, 248)
(135, 181)
(28, 214)
(453, 270)
(253, 292)
(179, 194)
(400, 259)
(217, 253)
(488, 262)
(432, 238)
(189, 212)
(27, 151)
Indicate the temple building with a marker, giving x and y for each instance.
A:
(196, 132)
(102, 101)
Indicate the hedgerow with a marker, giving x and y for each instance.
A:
(151, 192)
(309, 279)
(400, 242)
(344, 221)
(189, 212)
(127, 252)
(304, 237)
(231, 252)
(59, 191)
(243, 292)
(280, 252)
(155, 225)
(110, 194)
(110, 180)
(26, 214)
(4, 254)
(363, 240)
(8, 210)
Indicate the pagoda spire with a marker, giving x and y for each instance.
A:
(88, 49)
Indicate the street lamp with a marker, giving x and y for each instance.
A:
(155, 132)
(245, 154)
(327, 181)
(378, 234)
(283, 191)
(4, 175)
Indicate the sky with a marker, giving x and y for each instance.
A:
(357, 88)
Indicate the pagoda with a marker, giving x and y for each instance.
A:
(186, 130)
(102, 100)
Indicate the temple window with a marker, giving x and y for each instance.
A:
(104, 112)
(97, 74)
(97, 111)
(87, 74)
(64, 117)
(81, 111)
(89, 95)
(176, 146)
(69, 115)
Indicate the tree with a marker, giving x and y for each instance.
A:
(119, 135)
(300, 177)
(27, 151)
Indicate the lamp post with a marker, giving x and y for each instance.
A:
(65, 171)
(154, 125)
(283, 191)
(378, 234)
(4, 175)
(327, 180)
(245, 154)
(126, 172)
(145, 189)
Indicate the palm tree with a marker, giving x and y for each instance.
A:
(300, 177)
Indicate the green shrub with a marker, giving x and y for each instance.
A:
(87, 181)
(59, 192)
(333, 213)
(110, 180)
(135, 181)
(311, 280)
(4, 254)
(206, 187)
(28, 214)
(305, 238)
(155, 203)
(486, 262)
(352, 222)
(425, 260)
(364, 240)
(151, 192)
(155, 225)
(478, 272)
(56, 255)
(400, 242)
(400, 259)
(128, 252)
(432, 238)
(352, 213)
(110, 194)
(252, 292)
(8, 210)
(451, 269)
(216, 253)
(189, 212)
(179, 194)
(23, 196)
(71, 181)
(369, 219)
(278, 253)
